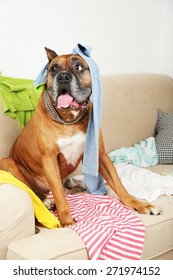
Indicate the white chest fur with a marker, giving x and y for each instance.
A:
(72, 147)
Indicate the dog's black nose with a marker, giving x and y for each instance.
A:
(64, 77)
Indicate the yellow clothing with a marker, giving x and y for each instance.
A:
(42, 214)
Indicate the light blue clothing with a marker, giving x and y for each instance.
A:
(142, 154)
(93, 180)
(41, 78)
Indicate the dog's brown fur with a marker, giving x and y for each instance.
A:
(37, 158)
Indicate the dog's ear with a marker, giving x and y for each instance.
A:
(50, 54)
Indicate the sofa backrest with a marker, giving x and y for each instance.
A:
(130, 107)
(129, 110)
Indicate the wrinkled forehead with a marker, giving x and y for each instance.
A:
(67, 59)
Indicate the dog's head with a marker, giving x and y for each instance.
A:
(68, 83)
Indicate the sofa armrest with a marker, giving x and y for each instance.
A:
(17, 216)
(47, 244)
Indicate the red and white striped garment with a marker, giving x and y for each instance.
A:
(110, 230)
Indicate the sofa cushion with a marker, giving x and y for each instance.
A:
(159, 229)
(162, 169)
(47, 244)
(164, 137)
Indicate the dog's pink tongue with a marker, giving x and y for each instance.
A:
(65, 100)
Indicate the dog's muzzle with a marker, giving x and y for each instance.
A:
(69, 92)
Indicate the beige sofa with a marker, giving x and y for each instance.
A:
(129, 115)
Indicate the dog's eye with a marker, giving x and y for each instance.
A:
(53, 68)
(79, 68)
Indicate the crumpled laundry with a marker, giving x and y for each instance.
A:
(19, 98)
(110, 230)
(144, 184)
(142, 154)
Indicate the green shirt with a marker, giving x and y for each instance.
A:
(19, 98)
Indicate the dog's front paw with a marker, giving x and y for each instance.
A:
(71, 224)
(66, 219)
(151, 210)
(144, 208)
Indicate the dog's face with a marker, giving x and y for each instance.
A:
(68, 81)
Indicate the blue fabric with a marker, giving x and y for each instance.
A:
(142, 154)
(41, 78)
(93, 179)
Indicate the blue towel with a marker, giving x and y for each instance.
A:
(41, 78)
(93, 179)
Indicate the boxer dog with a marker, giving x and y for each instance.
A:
(51, 145)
